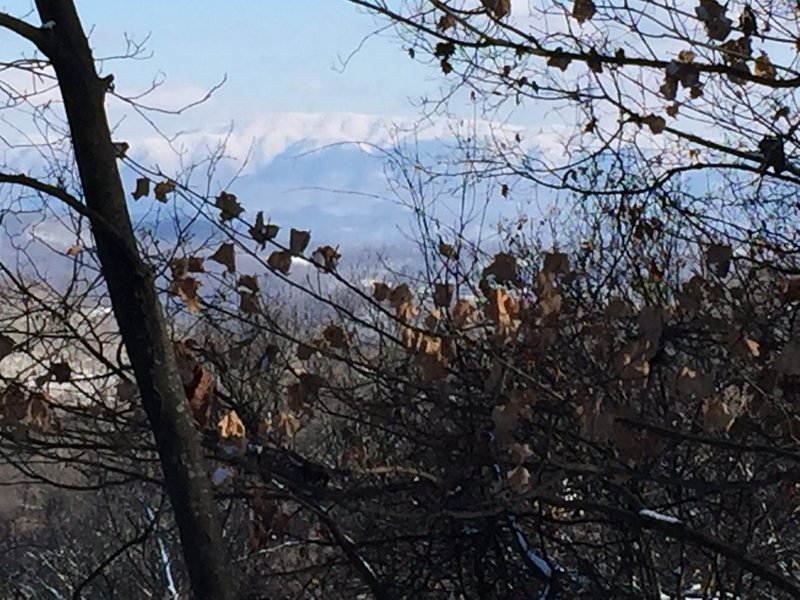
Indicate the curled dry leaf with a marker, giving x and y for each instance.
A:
(287, 424)
(229, 206)
(142, 188)
(298, 241)
(712, 15)
(718, 256)
(443, 294)
(305, 351)
(126, 392)
(446, 21)
(464, 313)
(400, 295)
(336, 337)
(559, 60)
(556, 262)
(752, 346)
(20, 407)
(231, 426)
(200, 392)
(326, 258)
(764, 68)
(433, 318)
(194, 264)
(503, 269)
(380, 291)
(186, 289)
(38, 414)
(6, 346)
(497, 8)
(61, 372)
(13, 404)
(225, 255)
(179, 267)
(519, 479)
(249, 303)
(632, 362)
(718, 415)
(248, 281)
(280, 260)
(406, 312)
(743, 345)
(583, 10)
(120, 149)
(163, 188)
(502, 310)
(263, 232)
(656, 123)
(447, 250)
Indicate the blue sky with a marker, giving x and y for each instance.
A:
(278, 55)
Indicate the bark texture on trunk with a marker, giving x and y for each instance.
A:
(136, 304)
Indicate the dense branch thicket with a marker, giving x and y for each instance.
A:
(596, 402)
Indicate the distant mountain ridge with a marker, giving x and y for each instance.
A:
(324, 172)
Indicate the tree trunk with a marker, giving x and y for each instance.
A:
(136, 304)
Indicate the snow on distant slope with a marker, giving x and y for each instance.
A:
(320, 171)
(263, 137)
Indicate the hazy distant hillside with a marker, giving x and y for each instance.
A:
(324, 172)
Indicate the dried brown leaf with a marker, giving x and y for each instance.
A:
(248, 281)
(717, 415)
(503, 269)
(583, 10)
(326, 258)
(556, 262)
(380, 291)
(443, 294)
(764, 68)
(280, 260)
(61, 372)
(249, 303)
(656, 123)
(229, 207)
(225, 255)
(559, 60)
(400, 295)
(263, 232)
(142, 188)
(336, 337)
(7, 346)
(163, 188)
(464, 313)
(186, 289)
(298, 241)
(231, 426)
(718, 256)
(194, 264)
(497, 8)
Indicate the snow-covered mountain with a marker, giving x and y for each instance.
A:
(325, 172)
